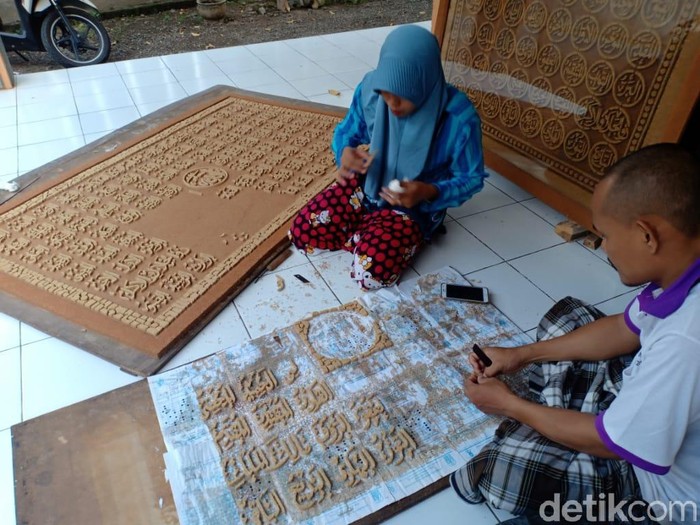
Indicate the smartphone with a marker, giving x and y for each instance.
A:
(474, 294)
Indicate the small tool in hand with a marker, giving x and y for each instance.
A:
(482, 355)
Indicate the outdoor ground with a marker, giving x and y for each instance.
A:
(248, 22)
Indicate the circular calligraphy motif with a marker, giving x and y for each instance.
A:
(540, 92)
(498, 77)
(492, 9)
(576, 145)
(486, 36)
(643, 49)
(594, 5)
(564, 102)
(584, 33)
(559, 25)
(552, 134)
(513, 12)
(526, 51)
(463, 57)
(490, 105)
(467, 32)
(658, 13)
(628, 89)
(535, 17)
(600, 77)
(518, 84)
(474, 6)
(590, 116)
(505, 43)
(480, 66)
(615, 124)
(475, 96)
(510, 113)
(602, 156)
(573, 69)
(531, 122)
(205, 177)
(548, 60)
(613, 40)
(625, 9)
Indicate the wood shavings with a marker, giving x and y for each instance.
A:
(280, 283)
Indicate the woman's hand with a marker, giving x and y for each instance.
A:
(414, 192)
(504, 361)
(352, 162)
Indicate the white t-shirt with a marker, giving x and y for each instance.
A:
(654, 423)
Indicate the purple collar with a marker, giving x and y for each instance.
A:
(672, 297)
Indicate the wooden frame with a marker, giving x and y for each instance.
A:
(670, 115)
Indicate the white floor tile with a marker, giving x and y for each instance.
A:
(8, 138)
(8, 98)
(224, 331)
(8, 158)
(224, 54)
(144, 79)
(568, 269)
(90, 86)
(9, 332)
(520, 300)
(56, 374)
(281, 89)
(316, 48)
(8, 117)
(335, 270)
(264, 309)
(267, 49)
(30, 335)
(103, 101)
(549, 214)
(366, 50)
(343, 100)
(502, 515)
(197, 70)
(129, 67)
(37, 93)
(241, 64)
(47, 109)
(445, 508)
(48, 130)
(7, 480)
(92, 137)
(150, 107)
(617, 304)
(488, 198)
(298, 70)
(318, 85)
(343, 64)
(459, 249)
(35, 155)
(255, 78)
(10, 388)
(532, 334)
(352, 78)
(511, 231)
(78, 74)
(107, 120)
(43, 79)
(164, 92)
(192, 61)
(600, 252)
(507, 187)
(200, 84)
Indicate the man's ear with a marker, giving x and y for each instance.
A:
(649, 235)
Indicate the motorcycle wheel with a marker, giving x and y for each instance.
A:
(92, 45)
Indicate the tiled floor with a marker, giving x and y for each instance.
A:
(503, 238)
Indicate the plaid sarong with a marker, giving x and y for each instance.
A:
(521, 469)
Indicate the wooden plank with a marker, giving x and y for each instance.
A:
(439, 19)
(101, 462)
(569, 230)
(592, 241)
(7, 80)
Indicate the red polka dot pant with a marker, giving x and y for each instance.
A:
(383, 242)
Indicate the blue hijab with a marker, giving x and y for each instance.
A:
(410, 67)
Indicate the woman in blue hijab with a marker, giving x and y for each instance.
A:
(408, 149)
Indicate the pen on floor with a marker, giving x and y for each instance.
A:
(482, 355)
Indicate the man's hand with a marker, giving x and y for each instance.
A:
(352, 162)
(491, 396)
(504, 361)
(414, 192)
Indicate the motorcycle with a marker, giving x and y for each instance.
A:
(68, 30)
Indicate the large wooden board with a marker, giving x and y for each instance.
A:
(127, 247)
(100, 462)
(566, 88)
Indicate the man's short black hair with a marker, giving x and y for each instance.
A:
(662, 179)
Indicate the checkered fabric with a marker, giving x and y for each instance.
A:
(521, 469)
